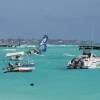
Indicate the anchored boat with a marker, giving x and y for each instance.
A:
(19, 68)
(15, 55)
(86, 60)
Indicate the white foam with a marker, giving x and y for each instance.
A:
(9, 49)
(70, 55)
(23, 46)
(51, 45)
(48, 45)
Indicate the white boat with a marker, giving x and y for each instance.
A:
(86, 60)
(20, 69)
(15, 55)
(19, 66)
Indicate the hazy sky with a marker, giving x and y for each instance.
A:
(68, 19)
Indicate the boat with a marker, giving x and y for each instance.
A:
(85, 61)
(15, 55)
(19, 68)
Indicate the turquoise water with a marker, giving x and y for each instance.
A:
(51, 80)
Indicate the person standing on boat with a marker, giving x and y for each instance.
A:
(10, 66)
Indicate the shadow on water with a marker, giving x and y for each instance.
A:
(75, 70)
(62, 68)
(59, 69)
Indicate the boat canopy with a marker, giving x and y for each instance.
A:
(15, 54)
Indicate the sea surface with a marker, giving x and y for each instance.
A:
(52, 81)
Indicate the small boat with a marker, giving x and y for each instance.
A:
(19, 68)
(15, 55)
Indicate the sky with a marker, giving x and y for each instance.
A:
(65, 19)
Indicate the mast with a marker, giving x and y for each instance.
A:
(43, 43)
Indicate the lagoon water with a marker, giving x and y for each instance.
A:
(52, 81)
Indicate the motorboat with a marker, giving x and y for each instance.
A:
(15, 55)
(19, 67)
(86, 60)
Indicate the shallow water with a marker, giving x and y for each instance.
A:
(51, 79)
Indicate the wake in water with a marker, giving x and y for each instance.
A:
(28, 46)
(40, 55)
(70, 55)
(9, 49)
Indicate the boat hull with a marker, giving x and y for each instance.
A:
(90, 63)
(20, 69)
